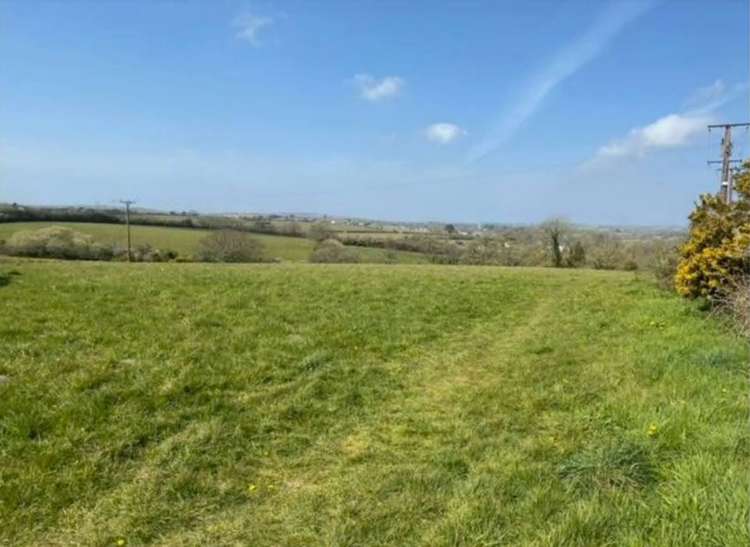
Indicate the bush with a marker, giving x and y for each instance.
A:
(607, 253)
(332, 251)
(56, 242)
(737, 303)
(230, 246)
(320, 232)
(484, 250)
(716, 256)
(664, 268)
(576, 256)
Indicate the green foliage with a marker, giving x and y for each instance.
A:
(191, 404)
(230, 246)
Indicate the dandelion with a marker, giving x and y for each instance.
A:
(652, 430)
(120, 541)
(251, 488)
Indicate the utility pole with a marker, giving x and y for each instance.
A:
(128, 203)
(725, 191)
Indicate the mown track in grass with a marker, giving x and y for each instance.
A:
(370, 405)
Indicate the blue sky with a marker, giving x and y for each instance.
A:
(465, 111)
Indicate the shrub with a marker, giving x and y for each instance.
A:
(716, 253)
(664, 268)
(576, 257)
(230, 246)
(320, 232)
(332, 251)
(56, 242)
(737, 303)
(484, 250)
(607, 253)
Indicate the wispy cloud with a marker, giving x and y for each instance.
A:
(671, 131)
(374, 90)
(706, 96)
(566, 62)
(444, 133)
(250, 26)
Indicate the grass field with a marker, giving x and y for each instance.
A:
(189, 404)
(186, 240)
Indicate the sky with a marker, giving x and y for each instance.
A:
(469, 111)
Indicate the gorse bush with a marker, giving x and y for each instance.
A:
(716, 253)
(56, 242)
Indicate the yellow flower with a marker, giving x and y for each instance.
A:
(120, 541)
(251, 488)
(652, 430)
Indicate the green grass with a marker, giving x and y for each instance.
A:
(186, 240)
(189, 404)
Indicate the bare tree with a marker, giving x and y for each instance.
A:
(555, 230)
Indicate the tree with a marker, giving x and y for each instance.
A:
(230, 246)
(450, 228)
(715, 257)
(555, 229)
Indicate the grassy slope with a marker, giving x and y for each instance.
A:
(300, 404)
(185, 240)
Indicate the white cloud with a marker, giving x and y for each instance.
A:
(565, 63)
(374, 90)
(671, 131)
(444, 133)
(250, 26)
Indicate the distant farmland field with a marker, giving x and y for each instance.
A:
(186, 240)
(299, 404)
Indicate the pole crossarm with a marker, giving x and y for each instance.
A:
(713, 162)
(725, 125)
